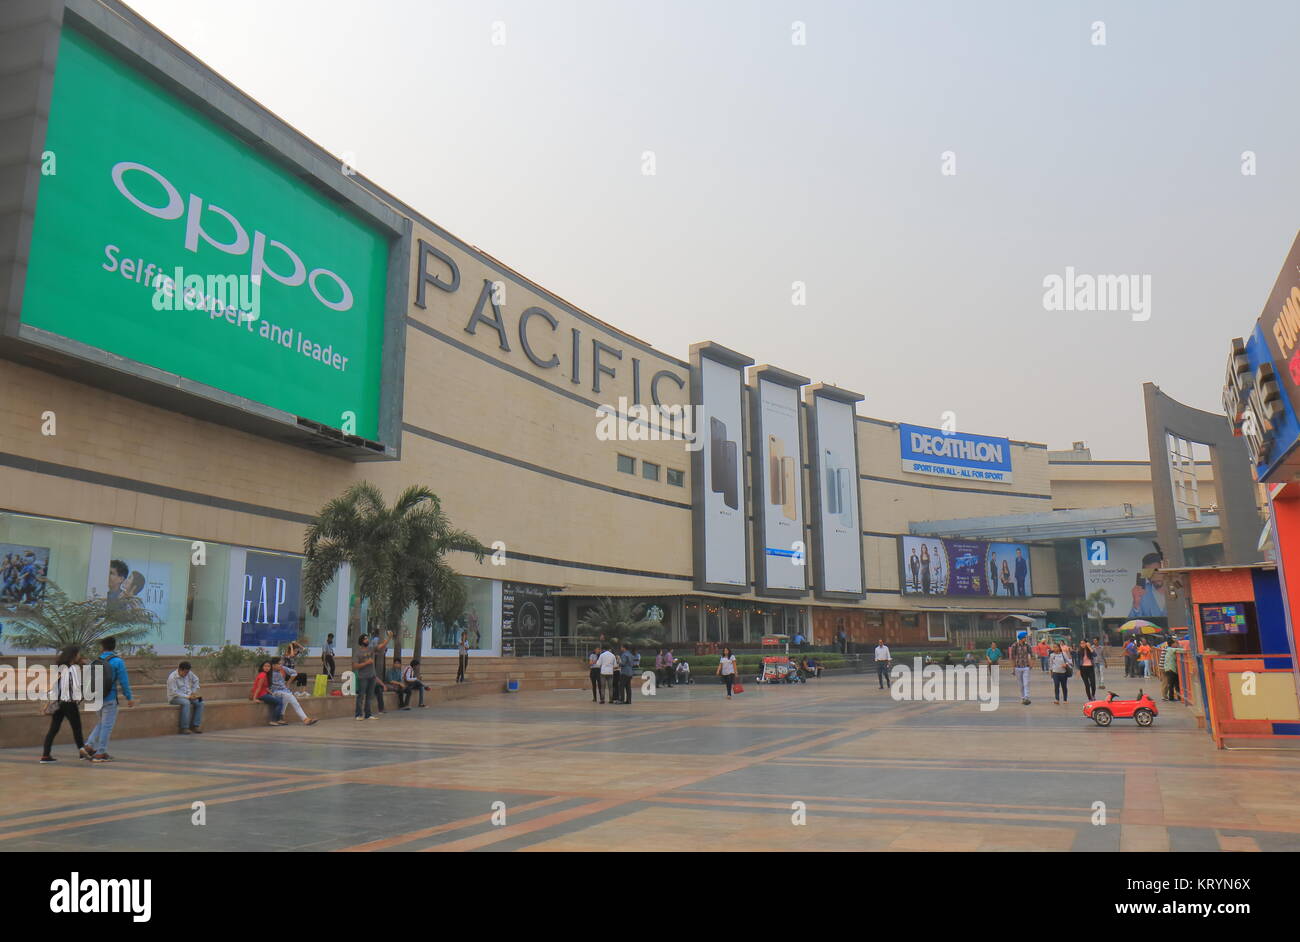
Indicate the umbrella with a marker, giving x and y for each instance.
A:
(1145, 627)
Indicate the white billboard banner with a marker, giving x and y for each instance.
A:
(1128, 569)
(778, 487)
(720, 507)
(839, 533)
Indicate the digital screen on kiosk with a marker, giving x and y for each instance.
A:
(1223, 619)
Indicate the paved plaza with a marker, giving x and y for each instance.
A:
(683, 770)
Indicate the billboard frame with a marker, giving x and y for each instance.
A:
(758, 489)
(129, 37)
(810, 396)
(738, 361)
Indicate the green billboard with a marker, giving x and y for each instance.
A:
(162, 237)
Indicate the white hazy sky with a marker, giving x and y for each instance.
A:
(820, 163)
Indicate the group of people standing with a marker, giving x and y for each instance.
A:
(1147, 657)
(611, 673)
(1060, 660)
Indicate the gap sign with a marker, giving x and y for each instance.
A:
(954, 454)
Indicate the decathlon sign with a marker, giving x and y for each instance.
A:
(954, 454)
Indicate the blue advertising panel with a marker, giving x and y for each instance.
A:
(954, 454)
(1285, 430)
(272, 600)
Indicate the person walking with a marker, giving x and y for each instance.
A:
(609, 682)
(659, 668)
(670, 668)
(183, 691)
(1043, 652)
(1086, 658)
(1130, 658)
(280, 677)
(1061, 667)
(363, 673)
(262, 692)
(327, 657)
(1021, 654)
(1099, 649)
(67, 694)
(727, 669)
(593, 671)
(463, 655)
(115, 679)
(882, 663)
(627, 667)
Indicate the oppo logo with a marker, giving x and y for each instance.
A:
(175, 207)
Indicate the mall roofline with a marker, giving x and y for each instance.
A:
(1124, 520)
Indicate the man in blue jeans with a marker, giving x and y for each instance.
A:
(183, 691)
(882, 663)
(363, 674)
(96, 748)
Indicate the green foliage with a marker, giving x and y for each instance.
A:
(1094, 605)
(57, 621)
(221, 664)
(622, 621)
(397, 555)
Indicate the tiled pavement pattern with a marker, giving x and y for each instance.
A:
(684, 770)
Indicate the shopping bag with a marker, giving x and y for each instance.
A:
(737, 687)
(322, 686)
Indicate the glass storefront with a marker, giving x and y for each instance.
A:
(156, 570)
(35, 551)
(690, 628)
(475, 622)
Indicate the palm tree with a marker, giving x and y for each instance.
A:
(397, 555)
(57, 621)
(623, 621)
(1095, 603)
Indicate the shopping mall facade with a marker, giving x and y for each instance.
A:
(193, 444)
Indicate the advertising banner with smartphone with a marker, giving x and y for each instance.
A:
(935, 566)
(1128, 569)
(837, 564)
(778, 483)
(721, 543)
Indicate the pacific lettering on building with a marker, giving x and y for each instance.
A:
(538, 334)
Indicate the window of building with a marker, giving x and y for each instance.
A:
(183, 585)
(690, 621)
(627, 464)
(676, 478)
(649, 470)
(35, 551)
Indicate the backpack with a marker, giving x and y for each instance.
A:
(111, 671)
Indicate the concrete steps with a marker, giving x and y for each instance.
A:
(226, 705)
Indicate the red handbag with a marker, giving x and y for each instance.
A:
(737, 687)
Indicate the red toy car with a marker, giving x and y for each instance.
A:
(1142, 710)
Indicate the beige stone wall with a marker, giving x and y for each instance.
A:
(510, 447)
(1087, 484)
